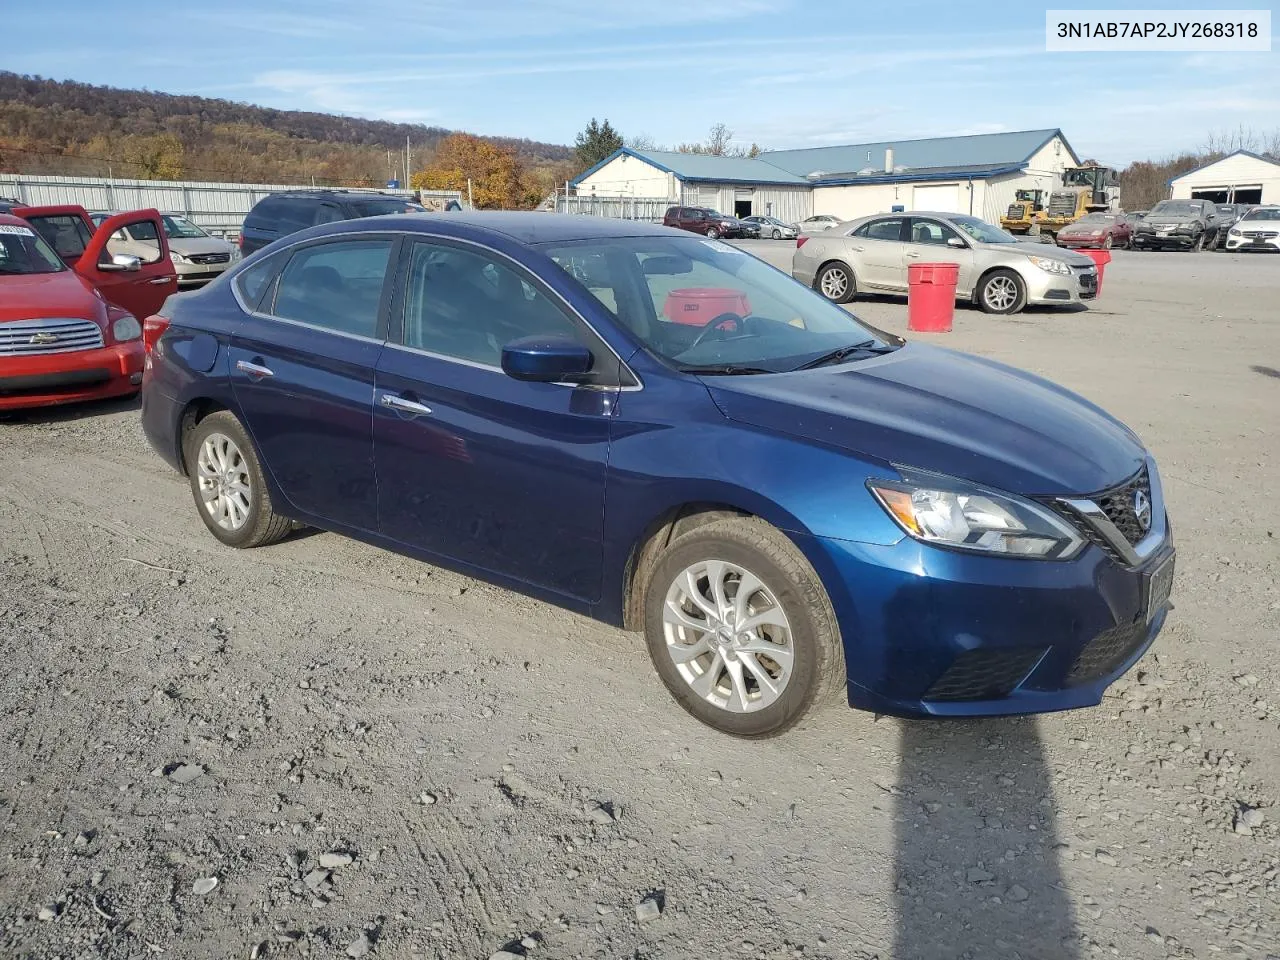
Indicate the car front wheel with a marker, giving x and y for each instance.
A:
(836, 283)
(713, 233)
(740, 629)
(228, 486)
(1003, 292)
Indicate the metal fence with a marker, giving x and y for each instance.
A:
(219, 208)
(620, 208)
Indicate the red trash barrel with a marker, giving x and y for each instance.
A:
(1101, 258)
(931, 296)
(700, 305)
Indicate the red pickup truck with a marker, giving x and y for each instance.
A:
(71, 313)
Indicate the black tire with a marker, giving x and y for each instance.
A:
(986, 290)
(713, 233)
(818, 670)
(262, 525)
(1199, 243)
(834, 272)
(1107, 243)
(777, 234)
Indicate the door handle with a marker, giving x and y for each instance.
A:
(401, 405)
(858, 249)
(254, 369)
(159, 279)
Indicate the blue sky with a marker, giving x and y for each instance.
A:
(784, 73)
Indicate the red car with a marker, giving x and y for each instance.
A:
(1100, 231)
(70, 312)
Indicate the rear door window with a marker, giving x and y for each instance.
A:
(67, 234)
(886, 229)
(336, 285)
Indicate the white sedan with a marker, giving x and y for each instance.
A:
(1259, 229)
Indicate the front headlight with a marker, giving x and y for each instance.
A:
(1051, 266)
(955, 513)
(126, 328)
(1235, 232)
(176, 257)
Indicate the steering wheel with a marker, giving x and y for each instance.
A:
(714, 324)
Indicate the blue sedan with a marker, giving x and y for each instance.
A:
(664, 433)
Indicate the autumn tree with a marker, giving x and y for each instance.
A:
(719, 143)
(596, 142)
(494, 172)
(154, 158)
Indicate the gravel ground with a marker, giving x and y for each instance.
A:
(321, 749)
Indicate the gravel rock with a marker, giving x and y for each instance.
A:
(1016, 893)
(1252, 817)
(601, 814)
(505, 955)
(360, 946)
(204, 885)
(186, 773)
(316, 879)
(648, 909)
(48, 912)
(336, 859)
(1102, 856)
(978, 875)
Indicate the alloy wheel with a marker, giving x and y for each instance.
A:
(1001, 293)
(223, 475)
(835, 284)
(728, 636)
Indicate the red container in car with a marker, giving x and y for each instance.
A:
(1101, 258)
(697, 306)
(931, 296)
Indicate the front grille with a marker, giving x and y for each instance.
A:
(985, 674)
(1015, 211)
(1260, 234)
(1107, 651)
(28, 338)
(209, 257)
(1119, 507)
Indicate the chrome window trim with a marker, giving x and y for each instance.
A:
(411, 234)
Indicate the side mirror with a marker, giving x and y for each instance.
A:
(549, 359)
(122, 263)
(956, 242)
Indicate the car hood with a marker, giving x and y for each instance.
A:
(1084, 228)
(1037, 249)
(185, 245)
(946, 412)
(63, 294)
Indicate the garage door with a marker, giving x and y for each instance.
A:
(943, 198)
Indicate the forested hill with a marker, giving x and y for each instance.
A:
(52, 126)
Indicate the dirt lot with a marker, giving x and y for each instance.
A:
(375, 757)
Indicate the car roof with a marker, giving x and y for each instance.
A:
(525, 227)
(9, 220)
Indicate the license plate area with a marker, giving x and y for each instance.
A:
(1159, 586)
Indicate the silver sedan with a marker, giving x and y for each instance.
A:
(773, 227)
(997, 271)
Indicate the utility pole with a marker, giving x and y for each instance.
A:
(406, 161)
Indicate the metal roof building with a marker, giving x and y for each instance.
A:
(970, 174)
(1240, 177)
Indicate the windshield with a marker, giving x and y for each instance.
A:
(982, 231)
(22, 250)
(706, 306)
(180, 228)
(1265, 213)
(383, 205)
(1175, 208)
(1096, 218)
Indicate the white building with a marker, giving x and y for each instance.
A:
(1240, 177)
(975, 174)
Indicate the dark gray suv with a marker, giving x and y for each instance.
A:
(281, 214)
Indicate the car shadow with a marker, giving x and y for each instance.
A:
(976, 848)
(1265, 371)
(70, 412)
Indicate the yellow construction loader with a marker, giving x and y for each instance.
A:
(1088, 189)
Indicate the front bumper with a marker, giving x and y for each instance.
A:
(50, 379)
(1081, 243)
(1264, 244)
(1165, 241)
(931, 632)
(1055, 289)
(190, 274)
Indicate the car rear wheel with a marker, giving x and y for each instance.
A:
(228, 486)
(836, 283)
(1002, 292)
(740, 629)
(713, 233)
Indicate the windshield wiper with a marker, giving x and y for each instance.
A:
(835, 356)
(724, 370)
